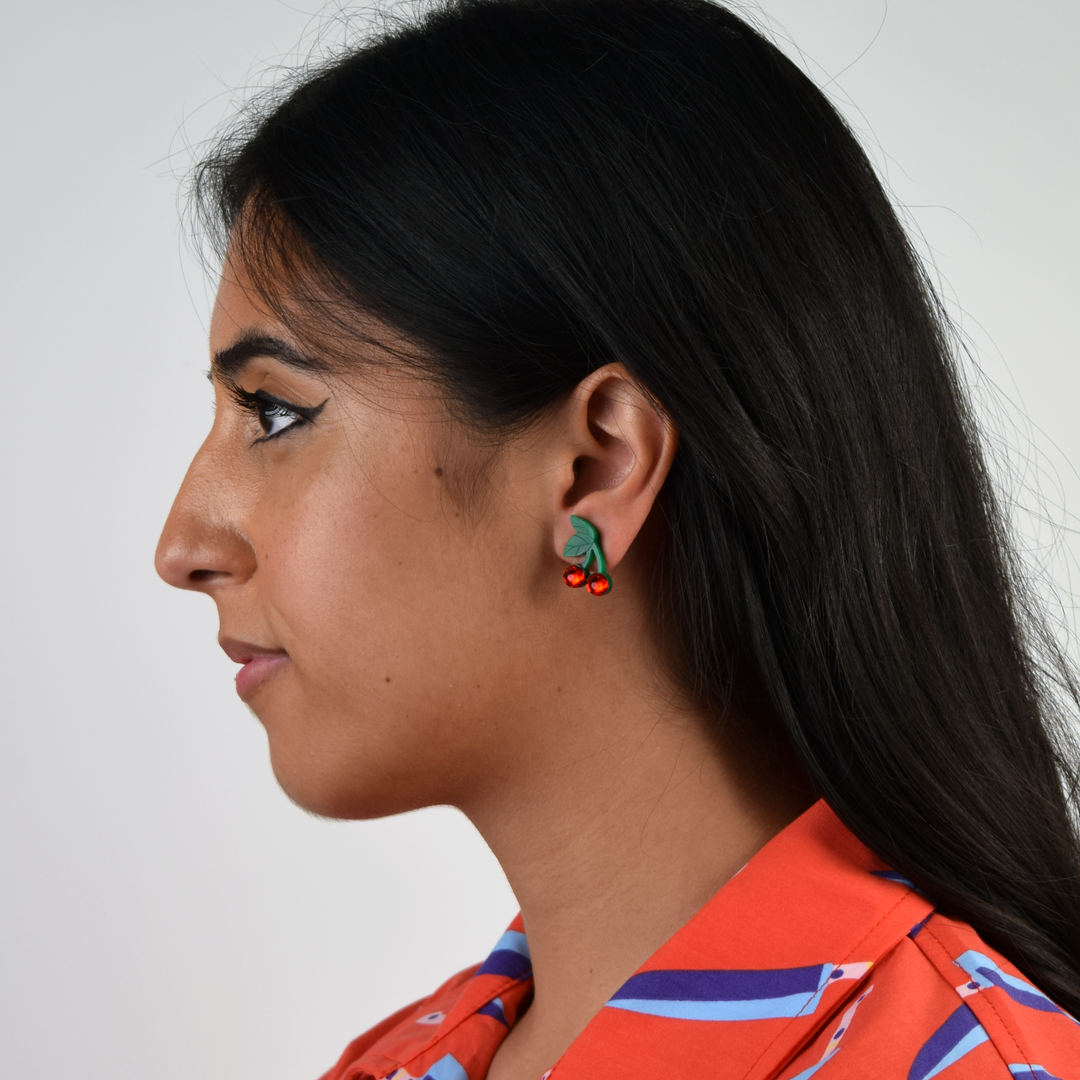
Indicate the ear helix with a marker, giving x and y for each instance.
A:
(584, 546)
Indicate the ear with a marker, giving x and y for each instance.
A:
(618, 450)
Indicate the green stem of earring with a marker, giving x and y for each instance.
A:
(601, 563)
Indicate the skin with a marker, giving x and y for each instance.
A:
(417, 646)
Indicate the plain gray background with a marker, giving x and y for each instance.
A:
(165, 912)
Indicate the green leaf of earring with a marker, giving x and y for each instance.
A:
(584, 547)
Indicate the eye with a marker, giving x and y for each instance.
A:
(275, 416)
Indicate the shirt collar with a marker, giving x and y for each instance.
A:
(761, 967)
(753, 976)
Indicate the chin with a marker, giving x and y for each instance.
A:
(348, 794)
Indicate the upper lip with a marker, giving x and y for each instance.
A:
(241, 652)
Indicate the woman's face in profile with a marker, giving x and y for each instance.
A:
(320, 517)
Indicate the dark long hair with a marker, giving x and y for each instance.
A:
(527, 189)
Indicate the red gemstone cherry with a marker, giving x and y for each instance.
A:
(574, 576)
(598, 584)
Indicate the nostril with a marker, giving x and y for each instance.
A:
(202, 575)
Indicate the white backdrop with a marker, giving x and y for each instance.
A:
(164, 911)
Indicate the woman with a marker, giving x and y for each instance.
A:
(604, 293)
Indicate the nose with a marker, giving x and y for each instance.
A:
(203, 546)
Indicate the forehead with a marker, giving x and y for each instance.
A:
(238, 310)
(299, 307)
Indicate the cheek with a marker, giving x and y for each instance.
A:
(383, 708)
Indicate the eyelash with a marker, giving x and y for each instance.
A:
(265, 408)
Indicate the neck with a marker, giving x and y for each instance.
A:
(611, 848)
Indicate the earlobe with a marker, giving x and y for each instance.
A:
(623, 445)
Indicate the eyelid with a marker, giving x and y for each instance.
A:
(253, 401)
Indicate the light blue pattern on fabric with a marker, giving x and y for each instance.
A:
(496, 1009)
(807, 1073)
(447, 1068)
(513, 941)
(769, 1009)
(832, 1048)
(975, 1037)
(510, 957)
(892, 875)
(984, 973)
(1031, 1072)
(956, 1038)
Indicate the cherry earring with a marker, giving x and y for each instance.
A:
(584, 546)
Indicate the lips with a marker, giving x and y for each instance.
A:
(257, 664)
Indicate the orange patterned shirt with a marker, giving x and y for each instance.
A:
(815, 960)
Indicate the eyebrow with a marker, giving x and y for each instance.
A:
(228, 363)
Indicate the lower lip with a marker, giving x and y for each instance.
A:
(256, 671)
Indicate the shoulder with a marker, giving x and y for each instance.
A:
(943, 1002)
(402, 1035)
(453, 1033)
